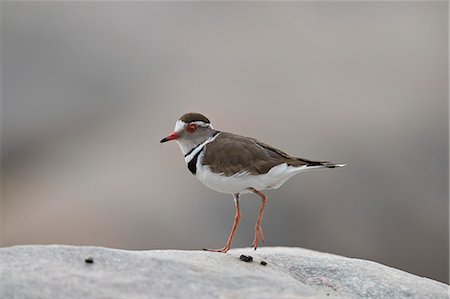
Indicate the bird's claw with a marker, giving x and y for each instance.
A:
(223, 250)
(258, 234)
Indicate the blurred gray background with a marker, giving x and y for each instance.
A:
(89, 89)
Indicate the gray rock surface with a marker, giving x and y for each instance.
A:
(56, 271)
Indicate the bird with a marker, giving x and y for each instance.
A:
(234, 164)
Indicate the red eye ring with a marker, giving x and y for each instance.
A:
(191, 128)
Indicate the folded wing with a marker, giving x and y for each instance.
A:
(232, 154)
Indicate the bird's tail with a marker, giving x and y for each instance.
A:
(332, 164)
(323, 164)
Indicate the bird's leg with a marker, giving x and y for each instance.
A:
(258, 230)
(237, 218)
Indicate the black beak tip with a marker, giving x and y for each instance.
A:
(164, 140)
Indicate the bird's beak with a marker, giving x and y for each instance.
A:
(172, 136)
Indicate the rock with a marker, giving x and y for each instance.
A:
(56, 271)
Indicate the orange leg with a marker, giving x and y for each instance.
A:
(258, 230)
(237, 218)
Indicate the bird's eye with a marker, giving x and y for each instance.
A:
(191, 128)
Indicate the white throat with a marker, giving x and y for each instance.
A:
(184, 147)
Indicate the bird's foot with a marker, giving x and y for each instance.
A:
(258, 235)
(223, 250)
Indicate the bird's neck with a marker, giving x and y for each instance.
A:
(188, 146)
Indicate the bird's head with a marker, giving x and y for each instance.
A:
(191, 129)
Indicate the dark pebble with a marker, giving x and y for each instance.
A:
(246, 259)
(263, 263)
(89, 259)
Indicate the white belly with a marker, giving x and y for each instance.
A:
(242, 181)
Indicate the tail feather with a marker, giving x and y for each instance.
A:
(325, 164)
(332, 165)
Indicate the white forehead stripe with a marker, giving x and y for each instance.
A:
(202, 124)
(179, 125)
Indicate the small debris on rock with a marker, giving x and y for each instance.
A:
(247, 259)
(263, 263)
(89, 259)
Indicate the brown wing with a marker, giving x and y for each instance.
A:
(233, 153)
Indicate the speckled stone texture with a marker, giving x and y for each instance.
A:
(55, 271)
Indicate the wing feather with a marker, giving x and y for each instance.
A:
(232, 154)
